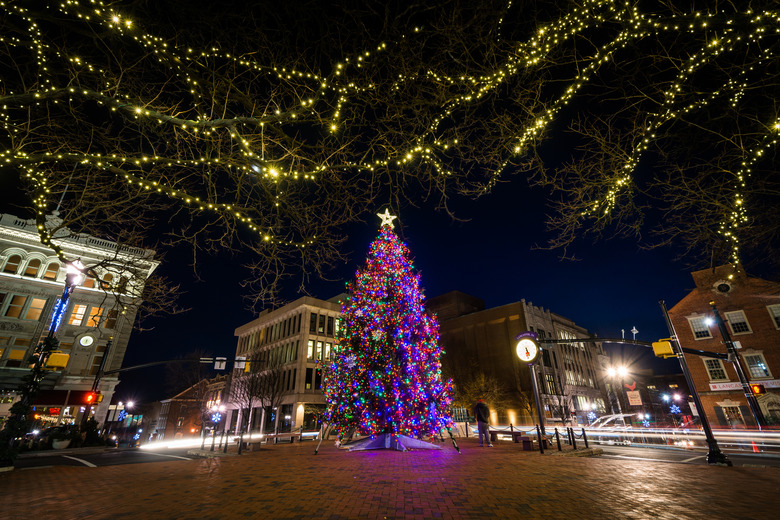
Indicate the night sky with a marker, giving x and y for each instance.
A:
(613, 286)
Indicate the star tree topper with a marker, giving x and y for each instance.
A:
(387, 218)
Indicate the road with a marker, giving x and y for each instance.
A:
(688, 456)
(136, 456)
(99, 458)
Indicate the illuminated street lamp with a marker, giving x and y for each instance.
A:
(618, 373)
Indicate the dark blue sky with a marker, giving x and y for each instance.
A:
(614, 286)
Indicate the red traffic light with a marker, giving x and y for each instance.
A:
(91, 398)
(758, 389)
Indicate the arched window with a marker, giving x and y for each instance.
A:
(33, 266)
(12, 265)
(51, 271)
(89, 282)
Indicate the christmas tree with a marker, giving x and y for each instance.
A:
(385, 377)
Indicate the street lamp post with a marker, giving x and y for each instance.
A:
(714, 455)
(617, 373)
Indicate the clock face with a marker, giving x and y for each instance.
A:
(86, 341)
(527, 350)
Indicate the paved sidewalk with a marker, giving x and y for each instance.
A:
(287, 481)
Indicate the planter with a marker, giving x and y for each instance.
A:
(60, 444)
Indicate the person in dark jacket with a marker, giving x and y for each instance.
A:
(482, 414)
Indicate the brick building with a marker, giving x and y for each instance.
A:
(750, 307)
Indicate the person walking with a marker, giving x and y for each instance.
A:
(482, 414)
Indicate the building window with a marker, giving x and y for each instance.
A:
(105, 283)
(111, 318)
(321, 326)
(35, 309)
(309, 374)
(51, 271)
(318, 351)
(15, 306)
(313, 323)
(12, 265)
(327, 350)
(757, 366)
(310, 349)
(715, 369)
(33, 266)
(738, 322)
(330, 326)
(77, 315)
(94, 317)
(337, 327)
(774, 311)
(699, 327)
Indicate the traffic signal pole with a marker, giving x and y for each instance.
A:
(714, 455)
(734, 358)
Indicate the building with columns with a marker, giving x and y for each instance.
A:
(95, 327)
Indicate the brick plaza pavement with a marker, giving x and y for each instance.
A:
(287, 481)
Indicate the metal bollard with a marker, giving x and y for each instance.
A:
(539, 438)
(573, 439)
(558, 439)
(584, 437)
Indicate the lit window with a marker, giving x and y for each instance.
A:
(774, 311)
(51, 271)
(699, 327)
(89, 282)
(12, 265)
(310, 350)
(94, 317)
(35, 309)
(77, 315)
(327, 350)
(757, 366)
(15, 306)
(105, 283)
(715, 369)
(738, 322)
(318, 351)
(33, 266)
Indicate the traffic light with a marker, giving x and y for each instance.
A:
(758, 389)
(93, 398)
(663, 348)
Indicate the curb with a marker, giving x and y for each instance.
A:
(587, 452)
(208, 454)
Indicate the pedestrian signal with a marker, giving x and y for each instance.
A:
(758, 389)
(91, 398)
(663, 348)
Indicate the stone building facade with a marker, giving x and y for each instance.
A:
(302, 334)
(750, 307)
(101, 310)
(476, 339)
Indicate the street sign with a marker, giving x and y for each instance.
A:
(634, 399)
